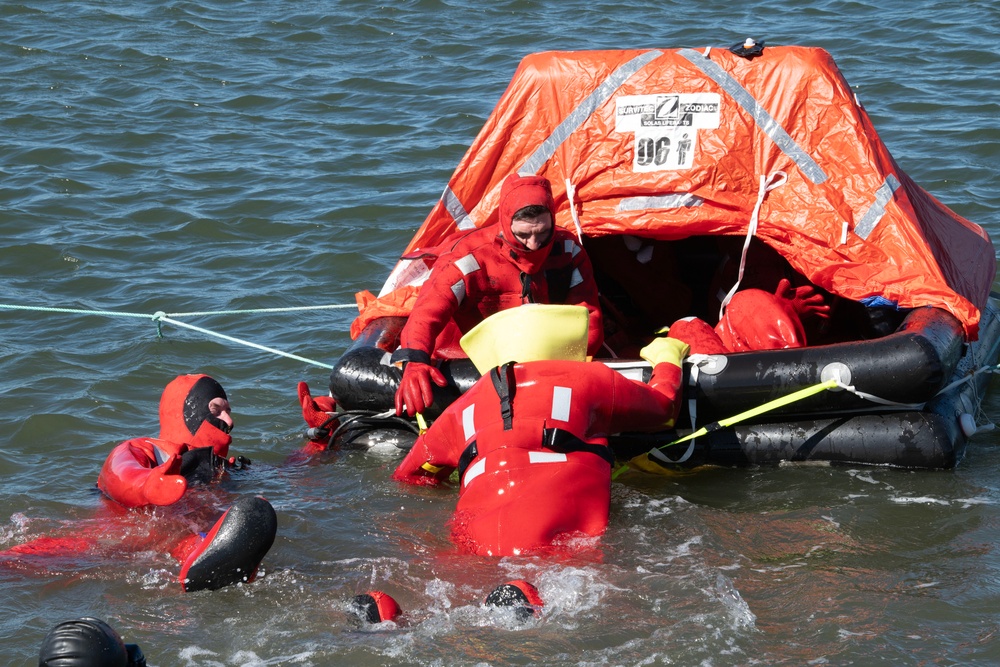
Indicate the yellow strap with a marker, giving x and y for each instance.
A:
(432, 469)
(646, 463)
(421, 423)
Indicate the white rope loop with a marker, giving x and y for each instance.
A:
(775, 180)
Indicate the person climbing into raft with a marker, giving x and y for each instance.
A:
(755, 319)
(523, 258)
(771, 306)
(763, 305)
(194, 439)
(530, 438)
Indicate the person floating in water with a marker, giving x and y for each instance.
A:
(87, 642)
(530, 438)
(194, 439)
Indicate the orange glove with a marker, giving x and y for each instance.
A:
(665, 351)
(165, 485)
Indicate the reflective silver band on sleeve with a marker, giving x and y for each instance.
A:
(458, 289)
(474, 471)
(562, 397)
(583, 111)
(468, 422)
(874, 214)
(547, 457)
(575, 278)
(467, 264)
(764, 120)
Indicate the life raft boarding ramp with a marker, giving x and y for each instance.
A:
(897, 414)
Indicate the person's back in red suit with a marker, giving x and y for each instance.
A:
(530, 441)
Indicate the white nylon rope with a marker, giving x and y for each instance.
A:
(775, 180)
(570, 191)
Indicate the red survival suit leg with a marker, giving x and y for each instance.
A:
(232, 550)
(754, 320)
(759, 320)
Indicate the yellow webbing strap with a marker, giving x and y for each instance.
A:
(648, 462)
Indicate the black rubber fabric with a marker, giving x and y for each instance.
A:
(245, 536)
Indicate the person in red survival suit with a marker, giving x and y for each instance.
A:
(524, 258)
(755, 319)
(195, 426)
(530, 440)
(194, 440)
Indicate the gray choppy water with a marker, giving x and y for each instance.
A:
(211, 155)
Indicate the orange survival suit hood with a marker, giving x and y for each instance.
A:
(516, 193)
(185, 416)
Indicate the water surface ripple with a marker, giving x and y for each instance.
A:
(206, 155)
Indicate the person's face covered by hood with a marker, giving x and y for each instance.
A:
(527, 220)
(194, 409)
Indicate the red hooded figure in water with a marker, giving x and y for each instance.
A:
(141, 473)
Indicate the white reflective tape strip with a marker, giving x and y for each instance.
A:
(586, 108)
(575, 279)
(561, 399)
(546, 457)
(571, 247)
(693, 399)
(474, 471)
(876, 211)
(676, 200)
(458, 289)
(468, 422)
(764, 120)
(467, 264)
(456, 210)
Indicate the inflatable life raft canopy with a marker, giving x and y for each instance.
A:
(674, 143)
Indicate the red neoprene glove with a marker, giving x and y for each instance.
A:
(164, 485)
(415, 393)
(805, 300)
(315, 411)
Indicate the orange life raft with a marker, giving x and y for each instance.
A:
(687, 173)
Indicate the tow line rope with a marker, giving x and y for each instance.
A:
(656, 452)
(828, 385)
(160, 317)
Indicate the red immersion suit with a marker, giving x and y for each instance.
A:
(147, 471)
(489, 270)
(756, 320)
(531, 444)
(141, 472)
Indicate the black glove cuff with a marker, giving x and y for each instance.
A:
(406, 354)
